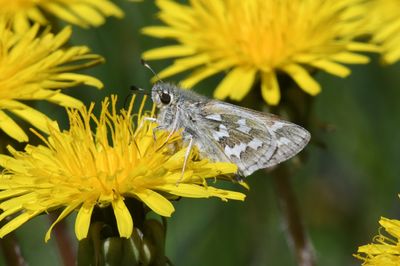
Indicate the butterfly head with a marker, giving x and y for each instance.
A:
(164, 95)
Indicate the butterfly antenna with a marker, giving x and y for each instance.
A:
(144, 63)
(135, 90)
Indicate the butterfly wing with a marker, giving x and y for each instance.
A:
(250, 139)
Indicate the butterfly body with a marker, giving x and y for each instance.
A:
(225, 132)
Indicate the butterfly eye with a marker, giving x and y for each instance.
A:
(165, 98)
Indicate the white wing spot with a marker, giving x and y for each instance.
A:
(236, 150)
(276, 126)
(223, 132)
(255, 144)
(243, 127)
(284, 141)
(215, 117)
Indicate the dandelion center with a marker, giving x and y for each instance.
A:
(262, 39)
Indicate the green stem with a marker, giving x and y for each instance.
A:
(296, 235)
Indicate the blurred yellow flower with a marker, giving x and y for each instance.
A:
(83, 13)
(34, 66)
(385, 251)
(384, 18)
(79, 170)
(259, 39)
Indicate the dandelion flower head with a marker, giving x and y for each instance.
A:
(37, 66)
(257, 40)
(82, 169)
(384, 20)
(83, 13)
(385, 249)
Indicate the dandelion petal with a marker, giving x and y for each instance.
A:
(82, 222)
(302, 78)
(168, 52)
(270, 88)
(236, 84)
(123, 218)
(11, 128)
(16, 222)
(156, 202)
(331, 67)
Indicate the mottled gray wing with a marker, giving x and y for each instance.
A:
(250, 139)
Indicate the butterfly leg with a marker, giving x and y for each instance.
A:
(187, 154)
(174, 127)
(152, 120)
(146, 119)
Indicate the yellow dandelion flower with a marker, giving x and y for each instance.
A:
(385, 251)
(83, 13)
(79, 170)
(258, 39)
(384, 18)
(34, 66)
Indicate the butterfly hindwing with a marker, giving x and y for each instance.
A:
(252, 140)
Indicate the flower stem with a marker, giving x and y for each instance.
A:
(12, 251)
(298, 108)
(64, 243)
(296, 235)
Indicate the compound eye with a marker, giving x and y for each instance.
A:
(165, 98)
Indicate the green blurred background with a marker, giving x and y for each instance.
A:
(342, 190)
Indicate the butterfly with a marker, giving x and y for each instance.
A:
(225, 132)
